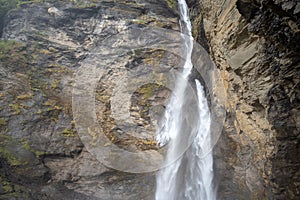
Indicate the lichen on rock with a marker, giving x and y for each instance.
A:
(39, 57)
(255, 44)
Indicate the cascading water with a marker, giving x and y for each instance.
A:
(190, 177)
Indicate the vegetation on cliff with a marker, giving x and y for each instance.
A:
(254, 43)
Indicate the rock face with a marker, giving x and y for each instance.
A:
(42, 46)
(256, 46)
(254, 43)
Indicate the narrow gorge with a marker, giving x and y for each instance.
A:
(53, 51)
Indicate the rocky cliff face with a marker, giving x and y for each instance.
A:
(255, 45)
(42, 46)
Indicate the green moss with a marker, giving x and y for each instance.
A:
(7, 47)
(6, 6)
(3, 122)
(57, 69)
(149, 90)
(16, 108)
(26, 146)
(45, 51)
(54, 84)
(13, 54)
(68, 132)
(35, 81)
(11, 157)
(8, 152)
(52, 105)
(7, 187)
(102, 98)
(172, 3)
(23, 58)
(25, 96)
(11, 189)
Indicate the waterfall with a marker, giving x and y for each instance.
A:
(190, 177)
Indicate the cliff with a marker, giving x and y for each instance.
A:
(42, 46)
(254, 44)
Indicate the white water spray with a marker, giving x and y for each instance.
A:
(191, 176)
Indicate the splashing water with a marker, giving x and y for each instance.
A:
(172, 113)
(190, 177)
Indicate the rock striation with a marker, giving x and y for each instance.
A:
(254, 44)
(42, 46)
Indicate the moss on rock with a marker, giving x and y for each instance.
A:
(9, 152)
(3, 122)
(172, 3)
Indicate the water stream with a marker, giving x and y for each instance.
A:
(190, 177)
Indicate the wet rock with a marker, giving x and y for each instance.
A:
(255, 44)
(42, 46)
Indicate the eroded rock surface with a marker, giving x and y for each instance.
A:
(42, 46)
(256, 46)
(254, 43)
